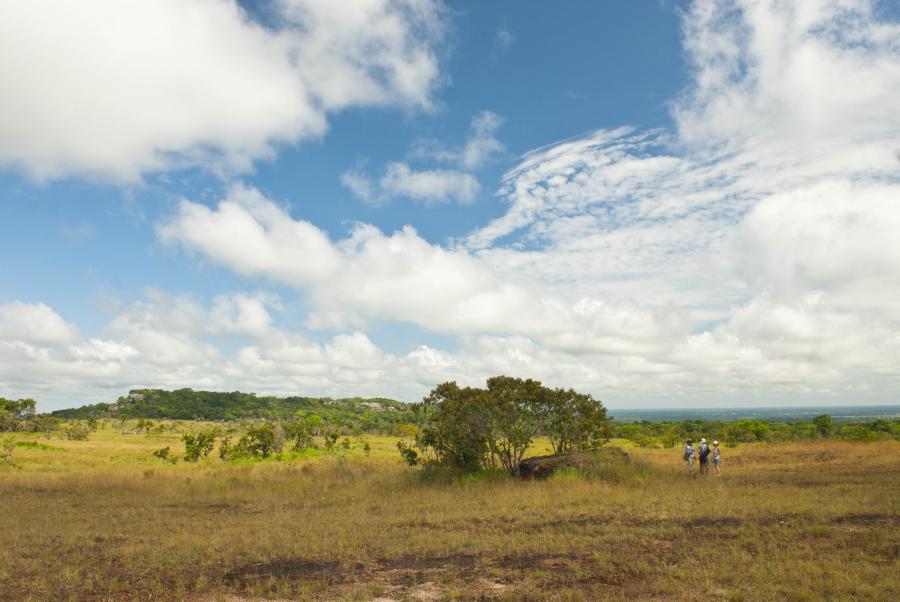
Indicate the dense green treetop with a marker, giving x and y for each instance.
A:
(186, 404)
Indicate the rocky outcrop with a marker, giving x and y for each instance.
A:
(541, 467)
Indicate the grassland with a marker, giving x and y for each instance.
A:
(104, 520)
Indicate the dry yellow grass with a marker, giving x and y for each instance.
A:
(104, 520)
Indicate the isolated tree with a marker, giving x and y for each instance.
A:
(471, 428)
(822, 424)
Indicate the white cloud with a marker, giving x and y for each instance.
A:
(362, 187)
(482, 146)
(429, 185)
(436, 185)
(151, 343)
(34, 323)
(114, 89)
(399, 277)
(782, 74)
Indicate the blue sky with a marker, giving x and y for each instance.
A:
(661, 203)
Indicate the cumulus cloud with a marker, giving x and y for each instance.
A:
(115, 89)
(370, 275)
(157, 342)
(34, 323)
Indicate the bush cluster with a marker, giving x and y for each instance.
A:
(469, 428)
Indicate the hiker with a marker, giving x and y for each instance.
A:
(689, 454)
(716, 458)
(704, 457)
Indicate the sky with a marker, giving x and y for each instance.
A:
(661, 203)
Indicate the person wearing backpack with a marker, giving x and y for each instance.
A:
(689, 455)
(704, 457)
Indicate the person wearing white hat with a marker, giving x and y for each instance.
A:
(716, 455)
(704, 456)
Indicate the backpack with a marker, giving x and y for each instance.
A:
(704, 452)
(686, 455)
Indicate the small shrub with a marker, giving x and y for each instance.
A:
(410, 456)
(198, 446)
(259, 442)
(225, 448)
(7, 447)
(164, 455)
(645, 441)
(76, 431)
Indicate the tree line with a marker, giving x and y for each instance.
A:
(668, 433)
(374, 415)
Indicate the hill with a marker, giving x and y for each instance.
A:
(375, 414)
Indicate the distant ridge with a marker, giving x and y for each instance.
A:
(769, 414)
(376, 413)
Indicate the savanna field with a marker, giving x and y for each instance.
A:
(103, 519)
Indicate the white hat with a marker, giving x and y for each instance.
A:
(702, 440)
(715, 442)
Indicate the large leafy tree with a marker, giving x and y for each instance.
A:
(469, 428)
(575, 421)
(515, 412)
(456, 430)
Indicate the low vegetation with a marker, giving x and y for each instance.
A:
(313, 509)
(104, 519)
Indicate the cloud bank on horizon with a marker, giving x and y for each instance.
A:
(749, 253)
